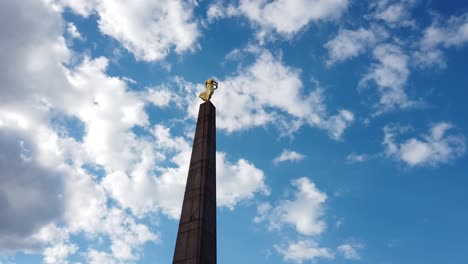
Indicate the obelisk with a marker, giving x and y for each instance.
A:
(196, 237)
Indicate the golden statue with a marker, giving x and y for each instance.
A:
(210, 86)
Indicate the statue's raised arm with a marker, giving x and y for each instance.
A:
(210, 86)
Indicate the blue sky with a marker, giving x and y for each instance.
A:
(341, 129)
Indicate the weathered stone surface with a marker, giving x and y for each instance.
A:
(196, 238)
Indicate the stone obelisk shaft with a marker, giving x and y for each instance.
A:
(196, 238)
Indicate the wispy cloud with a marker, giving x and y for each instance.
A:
(357, 158)
(350, 250)
(289, 155)
(304, 250)
(390, 75)
(396, 13)
(442, 34)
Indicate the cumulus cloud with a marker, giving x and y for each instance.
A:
(304, 250)
(85, 201)
(304, 212)
(88, 211)
(269, 92)
(160, 96)
(30, 193)
(59, 253)
(349, 44)
(31, 185)
(51, 165)
(289, 155)
(148, 29)
(432, 149)
(40, 81)
(390, 75)
(99, 257)
(237, 181)
(151, 187)
(81, 7)
(283, 17)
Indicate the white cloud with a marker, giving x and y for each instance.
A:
(304, 212)
(58, 253)
(109, 112)
(99, 257)
(37, 85)
(237, 182)
(429, 58)
(30, 199)
(126, 235)
(304, 250)
(268, 92)
(284, 17)
(73, 31)
(87, 211)
(81, 7)
(337, 124)
(160, 96)
(446, 34)
(350, 251)
(262, 212)
(215, 11)
(432, 149)
(390, 75)
(148, 29)
(354, 158)
(395, 13)
(29, 192)
(289, 155)
(151, 187)
(452, 33)
(349, 44)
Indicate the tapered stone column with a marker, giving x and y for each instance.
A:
(196, 238)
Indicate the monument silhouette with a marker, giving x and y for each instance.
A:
(196, 237)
